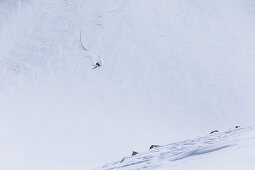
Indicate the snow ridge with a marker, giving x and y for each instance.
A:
(168, 156)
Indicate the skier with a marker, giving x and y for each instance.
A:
(98, 64)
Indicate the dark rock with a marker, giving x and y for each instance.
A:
(154, 146)
(237, 126)
(214, 131)
(122, 160)
(134, 153)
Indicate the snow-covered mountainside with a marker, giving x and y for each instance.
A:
(233, 149)
(171, 70)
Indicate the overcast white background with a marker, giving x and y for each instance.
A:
(172, 69)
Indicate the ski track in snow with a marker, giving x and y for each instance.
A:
(166, 155)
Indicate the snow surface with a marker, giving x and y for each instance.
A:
(172, 70)
(233, 149)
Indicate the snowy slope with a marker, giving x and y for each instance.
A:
(171, 67)
(233, 149)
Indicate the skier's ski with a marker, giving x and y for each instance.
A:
(95, 67)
